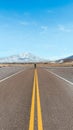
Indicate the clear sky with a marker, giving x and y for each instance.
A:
(41, 27)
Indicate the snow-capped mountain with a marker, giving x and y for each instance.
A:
(22, 58)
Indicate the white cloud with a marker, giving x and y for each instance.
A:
(63, 28)
(44, 28)
(25, 23)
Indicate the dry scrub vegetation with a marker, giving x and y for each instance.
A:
(65, 64)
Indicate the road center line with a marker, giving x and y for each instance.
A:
(35, 92)
(31, 122)
(39, 112)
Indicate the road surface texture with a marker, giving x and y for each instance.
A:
(15, 101)
(52, 97)
(7, 71)
(56, 102)
(65, 72)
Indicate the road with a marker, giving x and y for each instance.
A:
(36, 99)
(15, 101)
(6, 71)
(65, 72)
(56, 102)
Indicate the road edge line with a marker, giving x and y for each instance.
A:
(60, 77)
(11, 76)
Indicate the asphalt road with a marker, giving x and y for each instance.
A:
(65, 72)
(7, 71)
(53, 108)
(56, 102)
(15, 101)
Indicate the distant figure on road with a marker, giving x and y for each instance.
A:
(35, 66)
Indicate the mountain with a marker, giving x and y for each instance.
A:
(67, 59)
(22, 58)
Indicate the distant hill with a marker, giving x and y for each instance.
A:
(67, 59)
(22, 58)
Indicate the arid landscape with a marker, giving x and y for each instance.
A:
(36, 64)
(47, 64)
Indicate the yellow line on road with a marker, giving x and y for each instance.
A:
(31, 122)
(32, 112)
(39, 113)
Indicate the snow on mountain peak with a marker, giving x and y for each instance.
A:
(21, 58)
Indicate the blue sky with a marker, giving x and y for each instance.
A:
(41, 27)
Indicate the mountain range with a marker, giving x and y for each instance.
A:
(30, 58)
(21, 58)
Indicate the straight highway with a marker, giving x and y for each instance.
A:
(36, 99)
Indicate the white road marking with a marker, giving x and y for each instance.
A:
(11, 76)
(60, 77)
